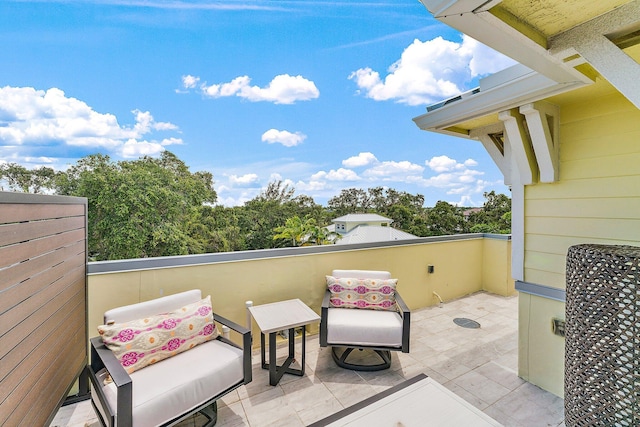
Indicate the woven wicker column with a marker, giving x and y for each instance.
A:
(602, 357)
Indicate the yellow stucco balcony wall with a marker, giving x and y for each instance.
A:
(462, 265)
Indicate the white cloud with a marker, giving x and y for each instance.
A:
(244, 180)
(441, 163)
(189, 81)
(393, 171)
(171, 141)
(340, 174)
(43, 160)
(50, 119)
(283, 89)
(444, 164)
(283, 137)
(135, 149)
(362, 159)
(430, 71)
(454, 177)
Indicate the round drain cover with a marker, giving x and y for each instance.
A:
(466, 323)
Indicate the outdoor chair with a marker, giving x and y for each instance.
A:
(157, 362)
(362, 310)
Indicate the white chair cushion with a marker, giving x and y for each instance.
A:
(181, 383)
(152, 307)
(355, 327)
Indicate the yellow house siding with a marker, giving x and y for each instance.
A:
(598, 196)
(597, 200)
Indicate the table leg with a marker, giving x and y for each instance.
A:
(276, 372)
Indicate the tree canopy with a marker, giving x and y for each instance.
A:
(156, 207)
(141, 208)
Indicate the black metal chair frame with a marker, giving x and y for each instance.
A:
(102, 357)
(384, 352)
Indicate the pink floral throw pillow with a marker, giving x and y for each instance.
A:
(373, 294)
(141, 342)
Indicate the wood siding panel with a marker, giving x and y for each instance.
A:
(603, 208)
(621, 230)
(593, 146)
(16, 294)
(18, 273)
(13, 254)
(22, 232)
(600, 167)
(43, 336)
(597, 199)
(594, 188)
(16, 212)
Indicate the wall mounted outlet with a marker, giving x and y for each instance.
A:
(430, 269)
(557, 326)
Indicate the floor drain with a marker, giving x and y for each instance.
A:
(466, 323)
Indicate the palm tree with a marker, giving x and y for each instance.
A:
(293, 229)
(321, 236)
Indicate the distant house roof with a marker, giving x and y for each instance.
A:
(469, 211)
(373, 233)
(362, 218)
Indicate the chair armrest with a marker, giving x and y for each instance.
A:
(246, 344)
(102, 357)
(324, 314)
(406, 321)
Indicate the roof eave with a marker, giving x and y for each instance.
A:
(530, 86)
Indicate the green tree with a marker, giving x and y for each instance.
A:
(495, 215)
(405, 209)
(445, 219)
(140, 208)
(259, 217)
(24, 180)
(293, 231)
(350, 200)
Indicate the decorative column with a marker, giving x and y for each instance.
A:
(602, 356)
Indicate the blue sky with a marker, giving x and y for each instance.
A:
(319, 94)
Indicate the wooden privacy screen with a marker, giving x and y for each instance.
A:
(43, 336)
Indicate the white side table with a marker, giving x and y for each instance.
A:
(275, 317)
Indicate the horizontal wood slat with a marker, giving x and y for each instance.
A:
(13, 316)
(11, 357)
(67, 323)
(17, 212)
(18, 273)
(59, 360)
(16, 294)
(13, 254)
(33, 321)
(22, 232)
(43, 307)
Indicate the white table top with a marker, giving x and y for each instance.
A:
(421, 404)
(282, 315)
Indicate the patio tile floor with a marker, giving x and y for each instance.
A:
(478, 365)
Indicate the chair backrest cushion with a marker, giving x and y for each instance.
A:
(151, 307)
(373, 290)
(149, 339)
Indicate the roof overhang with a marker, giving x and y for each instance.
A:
(561, 47)
(504, 90)
(554, 38)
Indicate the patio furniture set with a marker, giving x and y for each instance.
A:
(160, 361)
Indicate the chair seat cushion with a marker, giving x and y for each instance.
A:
(355, 327)
(181, 383)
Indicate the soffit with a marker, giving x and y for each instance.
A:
(551, 17)
(598, 89)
